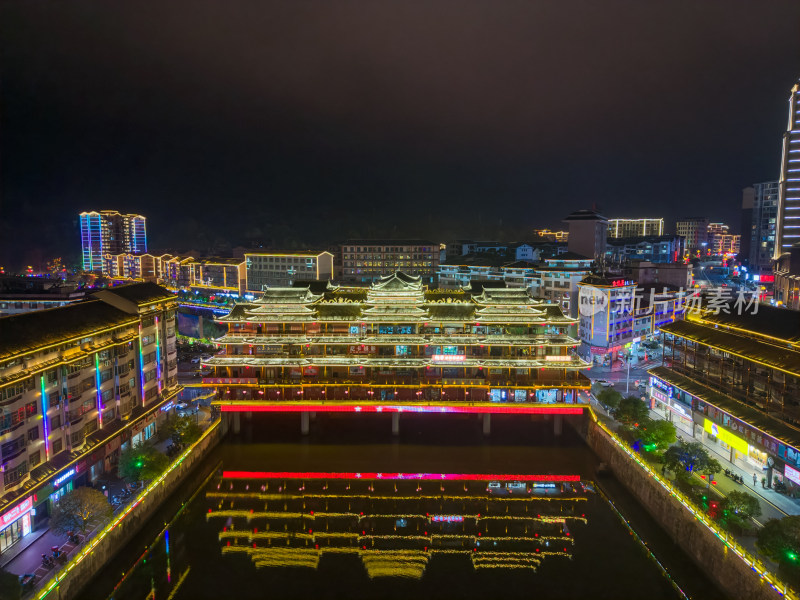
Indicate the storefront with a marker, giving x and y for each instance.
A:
(732, 445)
(15, 524)
(143, 430)
(664, 398)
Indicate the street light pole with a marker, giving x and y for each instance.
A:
(628, 377)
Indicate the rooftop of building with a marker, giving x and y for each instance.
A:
(217, 260)
(744, 346)
(641, 239)
(585, 215)
(389, 242)
(477, 259)
(284, 252)
(27, 332)
(567, 256)
(782, 324)
(141, 293)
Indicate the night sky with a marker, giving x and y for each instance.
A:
(304, 122)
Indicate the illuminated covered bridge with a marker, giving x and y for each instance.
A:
(398, 347)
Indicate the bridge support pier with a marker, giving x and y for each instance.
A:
(304, 422)
(237, 422)
(487, 424)
(395, 424)
(558, 424)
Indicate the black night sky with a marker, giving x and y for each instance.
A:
(304, 122)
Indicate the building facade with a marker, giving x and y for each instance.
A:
(733, 381)
(396, 342)
(788, 229)
(616, 314)
(695, 231)
(762, 228)
(587, 234)
(110, 232)
(627, 228)
(786, 286)
(282, 269)
(77, 384)
(365, 261)
(652, 248)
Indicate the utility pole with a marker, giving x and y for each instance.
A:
(628, 377)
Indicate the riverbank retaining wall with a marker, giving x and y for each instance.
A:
(77, 574)
(724, 567)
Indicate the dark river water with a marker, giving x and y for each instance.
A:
(440, 512)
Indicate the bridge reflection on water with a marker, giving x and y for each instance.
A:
(395, 522)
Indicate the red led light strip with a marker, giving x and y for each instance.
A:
(410, 408)
(391, 476)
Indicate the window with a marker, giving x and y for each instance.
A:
(52, 376)
(148, 358)
(34, 458)
(150, 394)
(33, 434)
(150, 375)
(148, 339)
(30, 409)
(106, 375)
(11, 476)
(53, 398)
(107, 395)
(58, 446)
(55, 422)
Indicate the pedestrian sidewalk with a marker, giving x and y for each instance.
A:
(773, 504)
(26, 556)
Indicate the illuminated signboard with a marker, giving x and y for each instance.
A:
(558, 358)
(791, 474)
(15, 513)
(666, 388)
(448, 358)
(63, 478)
(621, 283)
(447, 519)
(723, 435)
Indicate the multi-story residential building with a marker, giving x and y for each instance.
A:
(721, 241)
(365, 261)
(786, 285)
(652, 248)
(628, 228)
(587, 233)
(128, 267)
(674, 275)
(760, 231)
(219, 275)
(77, 383)
(396, 342)
(616, 313)
(787, 232)
(695, 231)
(555, 279)
(282, 269)
(733, 381)
(26, 294)
(110, 232)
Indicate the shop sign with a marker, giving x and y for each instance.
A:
(448, 358)
(666, 388)
(791, 474)
(63, 478)
(447, 519)
(363, 349)
(15, 513)
(726, 436)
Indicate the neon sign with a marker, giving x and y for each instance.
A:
(392, 476)
(791, 474)
(447, 519)
(448, 358)
(16, 512)
(63, 478)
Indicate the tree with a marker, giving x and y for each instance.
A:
(78, 508)
(181, 429)
(657, 434)
(711, 468)
(686, 457)
(631, 411)
(140, 462)
(609, 397)
(742, 504)
(779, 540)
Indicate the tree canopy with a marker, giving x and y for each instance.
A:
(688, 457)
(609, 397)
(181, 429)
(779, 540)
(742, 504)
(657, 433)
(142, 461)
(76, 509)
(631, 410)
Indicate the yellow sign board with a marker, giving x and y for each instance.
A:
(723, 435)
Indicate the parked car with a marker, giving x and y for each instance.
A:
(603, 382)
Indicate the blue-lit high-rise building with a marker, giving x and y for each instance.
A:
(788, 230)
(110, 232)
